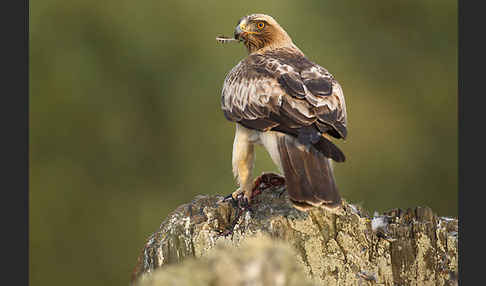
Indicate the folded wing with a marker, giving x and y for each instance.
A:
(284, 91)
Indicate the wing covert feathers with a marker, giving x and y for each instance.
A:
(282, 88)
(308, 174)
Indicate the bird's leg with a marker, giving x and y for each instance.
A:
(242, 161)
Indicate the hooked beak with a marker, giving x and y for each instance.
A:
(238, 32)
(241, 32)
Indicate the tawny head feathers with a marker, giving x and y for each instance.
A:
(260, 32)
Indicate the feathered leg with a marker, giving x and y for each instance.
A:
(243, 161)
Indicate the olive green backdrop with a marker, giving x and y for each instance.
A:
(125, 119)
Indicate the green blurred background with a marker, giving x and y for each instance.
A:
(125, 119)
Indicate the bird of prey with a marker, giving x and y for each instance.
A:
(280, 99)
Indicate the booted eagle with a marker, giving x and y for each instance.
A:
(290, 105)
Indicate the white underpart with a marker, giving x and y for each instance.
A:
(269, 141)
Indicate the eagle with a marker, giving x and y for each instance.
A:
(292, 106)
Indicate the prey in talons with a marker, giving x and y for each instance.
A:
(265, 181)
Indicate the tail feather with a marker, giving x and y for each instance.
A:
(330, 150)
(308, 175)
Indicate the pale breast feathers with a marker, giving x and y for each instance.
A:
(281, 90)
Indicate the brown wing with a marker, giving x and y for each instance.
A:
(284, 91)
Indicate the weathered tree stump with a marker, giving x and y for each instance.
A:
(398, 247)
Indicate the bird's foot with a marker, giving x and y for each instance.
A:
(241, 200)
(241, 204)
(238, 200)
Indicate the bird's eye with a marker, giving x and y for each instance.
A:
(260, 25)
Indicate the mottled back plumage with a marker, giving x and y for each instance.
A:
(282, 90)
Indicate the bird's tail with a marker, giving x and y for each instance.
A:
(308, 175)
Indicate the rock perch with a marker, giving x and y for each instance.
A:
(398, 247)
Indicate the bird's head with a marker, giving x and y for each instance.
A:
(261, 32)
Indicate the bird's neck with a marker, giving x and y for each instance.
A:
(274, 46)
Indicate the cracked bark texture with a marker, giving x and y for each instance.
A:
(349, 247)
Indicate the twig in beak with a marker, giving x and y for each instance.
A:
(223, 39)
